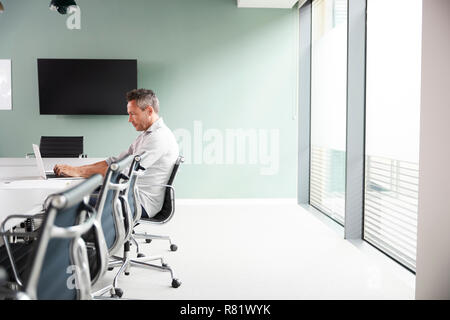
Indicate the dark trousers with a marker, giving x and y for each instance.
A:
(144, 213)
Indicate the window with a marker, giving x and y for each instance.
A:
(328, 107)
(392, 127)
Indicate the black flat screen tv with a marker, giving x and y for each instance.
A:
(85, 86)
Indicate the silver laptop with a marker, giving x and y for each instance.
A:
(46, 174)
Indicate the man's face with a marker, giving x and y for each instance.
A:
(140, 119)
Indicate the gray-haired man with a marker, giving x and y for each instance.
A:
(156, 139)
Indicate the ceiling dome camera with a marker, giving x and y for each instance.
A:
(61, 6)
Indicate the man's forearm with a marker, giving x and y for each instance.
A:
(82, 171)
(91, 169)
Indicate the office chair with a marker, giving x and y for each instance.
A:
(57, 265)
(167, 211)
(129, 196)
(109, 233)
(60, 147)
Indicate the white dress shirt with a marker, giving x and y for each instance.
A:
(162, 148)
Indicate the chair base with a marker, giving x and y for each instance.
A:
(149, 237)
(125, 263)
(140, 262)
(115, 293)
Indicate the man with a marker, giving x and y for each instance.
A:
(156, 138)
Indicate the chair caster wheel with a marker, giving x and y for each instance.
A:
(110, 269)
(148, 240)
(140, 255)
(127, 273)
(118, 293)
(176, 283)
(173, 247)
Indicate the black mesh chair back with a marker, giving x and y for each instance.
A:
(61, 147)
(58, 265)
(179, 161)
(168, 208)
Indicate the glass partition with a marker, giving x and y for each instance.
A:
(392, 127)
(328, 107)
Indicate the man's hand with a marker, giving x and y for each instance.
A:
(83, 171)
(66, 170)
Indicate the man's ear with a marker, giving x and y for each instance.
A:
(150, 110)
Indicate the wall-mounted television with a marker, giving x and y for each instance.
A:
(85, 86)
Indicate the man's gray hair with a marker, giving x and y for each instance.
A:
(144, 98)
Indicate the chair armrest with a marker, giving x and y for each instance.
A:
(162, 185)
(172, 189)
(126, 212)
(40, 215)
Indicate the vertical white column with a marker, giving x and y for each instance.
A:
(304, 114)
(433, 236)
(356, 76)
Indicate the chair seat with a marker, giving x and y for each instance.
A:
(152, 219)
(159, 217)
(165, 211)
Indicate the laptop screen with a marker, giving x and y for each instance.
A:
(39, 162)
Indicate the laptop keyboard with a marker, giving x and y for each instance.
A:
(53, 175)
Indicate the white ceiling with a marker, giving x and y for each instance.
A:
(288, 4)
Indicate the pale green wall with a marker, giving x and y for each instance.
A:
(206, 59)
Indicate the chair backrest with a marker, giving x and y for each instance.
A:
(109, 206)
(108, 232)
(168, 209)
(179, 161)
(61, 147)
(59, 266)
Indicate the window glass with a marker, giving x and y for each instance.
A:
(328, 107)
(392, 126)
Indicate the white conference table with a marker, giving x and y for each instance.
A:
(22, 191)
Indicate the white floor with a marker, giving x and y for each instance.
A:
(262, 250)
